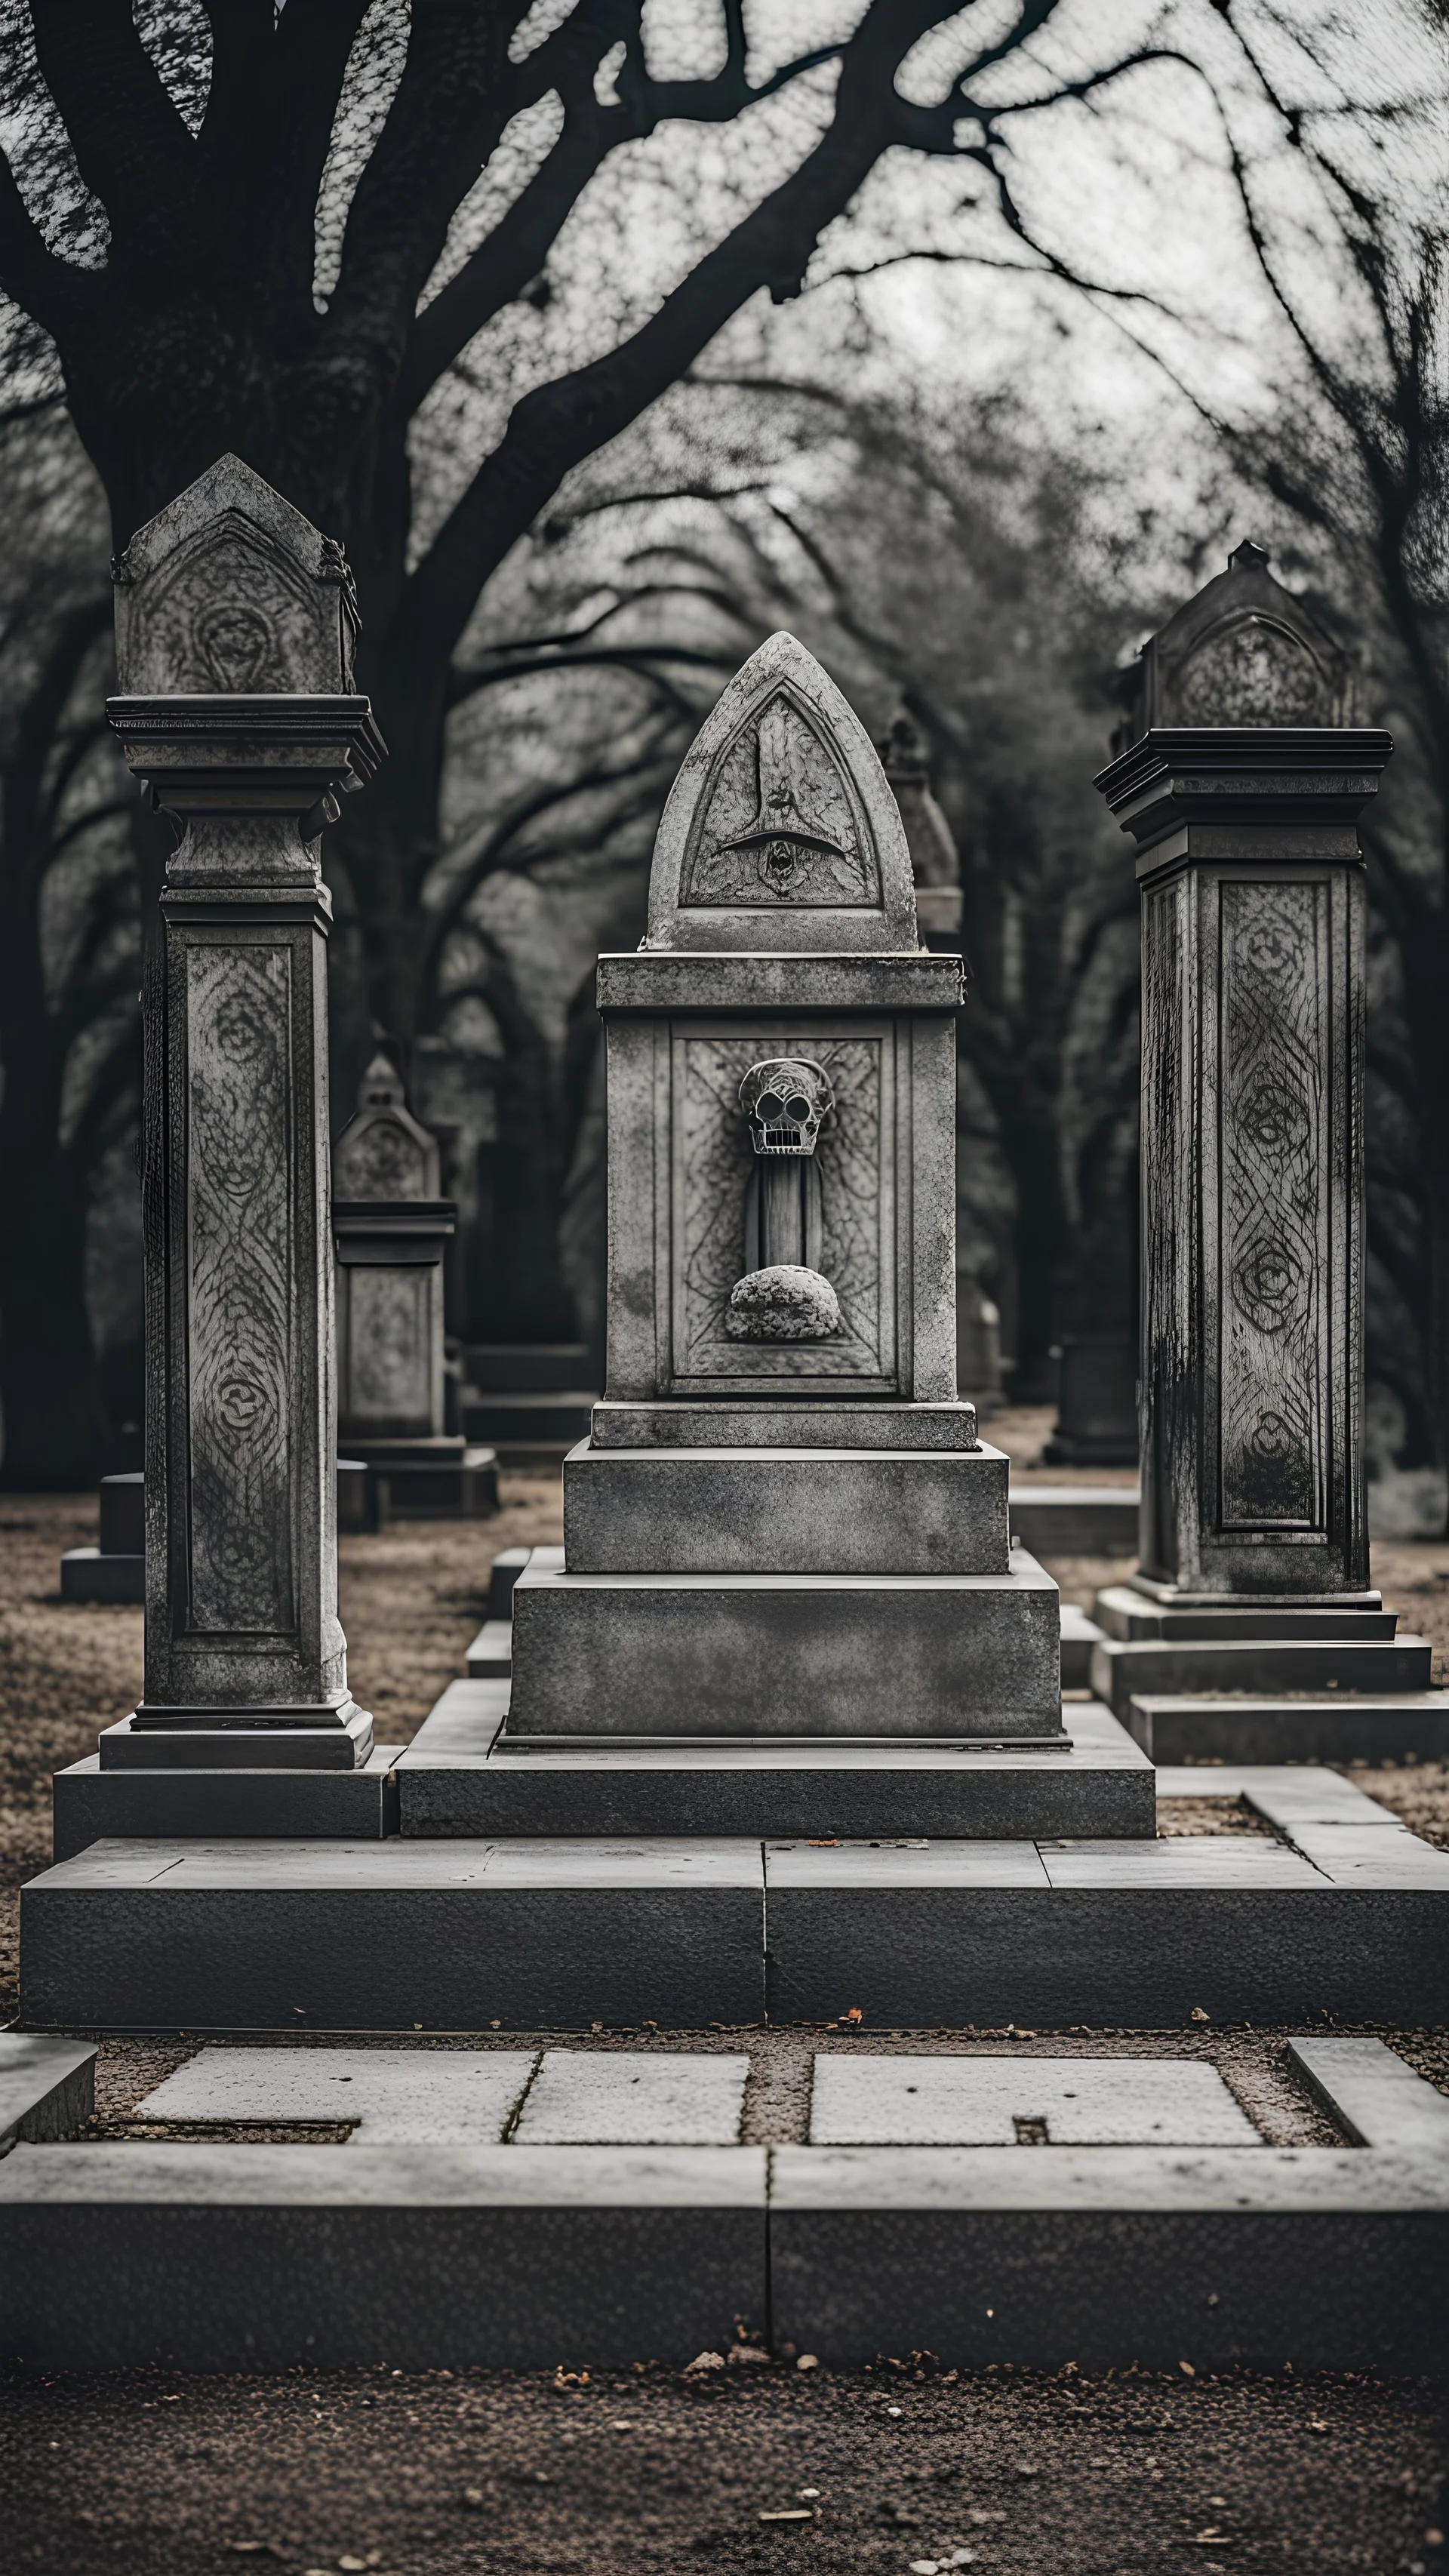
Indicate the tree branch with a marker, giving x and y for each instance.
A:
(130, 141)
(557, 425)
(52, 291)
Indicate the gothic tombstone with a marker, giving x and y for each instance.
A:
(780, 1456)
(390, 1227)
(935, 859)
(235, 625)
(1242, 786)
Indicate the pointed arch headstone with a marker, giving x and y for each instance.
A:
(781, 832)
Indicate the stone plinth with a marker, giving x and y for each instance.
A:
(234, 636)
(817, 1511)
(967, 1657)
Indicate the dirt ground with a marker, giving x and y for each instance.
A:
(895, 2467)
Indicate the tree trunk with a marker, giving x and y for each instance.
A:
(49, 1387)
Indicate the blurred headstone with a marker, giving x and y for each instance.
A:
(391, 1230)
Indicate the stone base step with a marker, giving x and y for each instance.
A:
(87, 1575)
(1259, 1667)
(463, 2253)
(1075, 1520)
(510, 1416)
(751, 1654)
(490, 1656)
(1123, 1612)
(450, 1935)
(1344, 1726)
(91, 1805)
(460, 1776)
(717, 1510)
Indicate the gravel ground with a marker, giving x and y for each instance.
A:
(426, 2475)
(896, 2467)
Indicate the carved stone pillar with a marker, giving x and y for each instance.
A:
(1243, 795)
(235, 624)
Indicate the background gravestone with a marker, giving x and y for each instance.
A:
(391, 1231)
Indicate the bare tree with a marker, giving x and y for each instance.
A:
(179, 175)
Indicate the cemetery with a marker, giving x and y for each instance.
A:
(669, 1830)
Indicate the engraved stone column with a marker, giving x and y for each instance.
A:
(1243, 794)
(235, 625)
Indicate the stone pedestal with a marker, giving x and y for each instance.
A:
(1243, 795)
(234, 642)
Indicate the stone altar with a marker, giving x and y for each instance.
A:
(783, 1523)
(235, 624)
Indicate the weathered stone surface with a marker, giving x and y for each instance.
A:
(234, 632)
(444, 2257)
(780, 831)
(1243, 797)
(787, 1423)
(988, 2101)
(47, 2086)
(808, 1511)
(463, 2095)
(350, 1806)
(229, 589)
(785, 1303)
(633, 2097)
(460, 1776)
(1265, 1727)
(778, 1654)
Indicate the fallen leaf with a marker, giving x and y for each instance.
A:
(854, 2014)
(1316, 2424)
(472, 2495)
(353, 2566)
(1211, 2539)
(625, 2424)
(807, 2361)
(788, 2513)
(747, 2352)
(705, 2361)
(1197, 2013)
(1187, 2369)
(827, 1842)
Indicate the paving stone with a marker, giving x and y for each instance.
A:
(1183, 1860)
(466, 2095)
(442, 2257)
(461, 1776)
(1379, 2100)
(978, 2101)
(47, 2086)
(255, 1936)
(1109, 2256)
(634, 2098)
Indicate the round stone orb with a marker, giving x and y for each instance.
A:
(785, 1303)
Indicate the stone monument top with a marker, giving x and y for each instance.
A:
(781, 833)
(383, 1152)
(1242, 652)
(229, 589)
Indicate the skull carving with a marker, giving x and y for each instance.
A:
(785, 1100)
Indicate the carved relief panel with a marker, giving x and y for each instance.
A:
(1273, 1184)
(239, 1309)
(711, 1191)
(781, 831)
(386, 1323)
